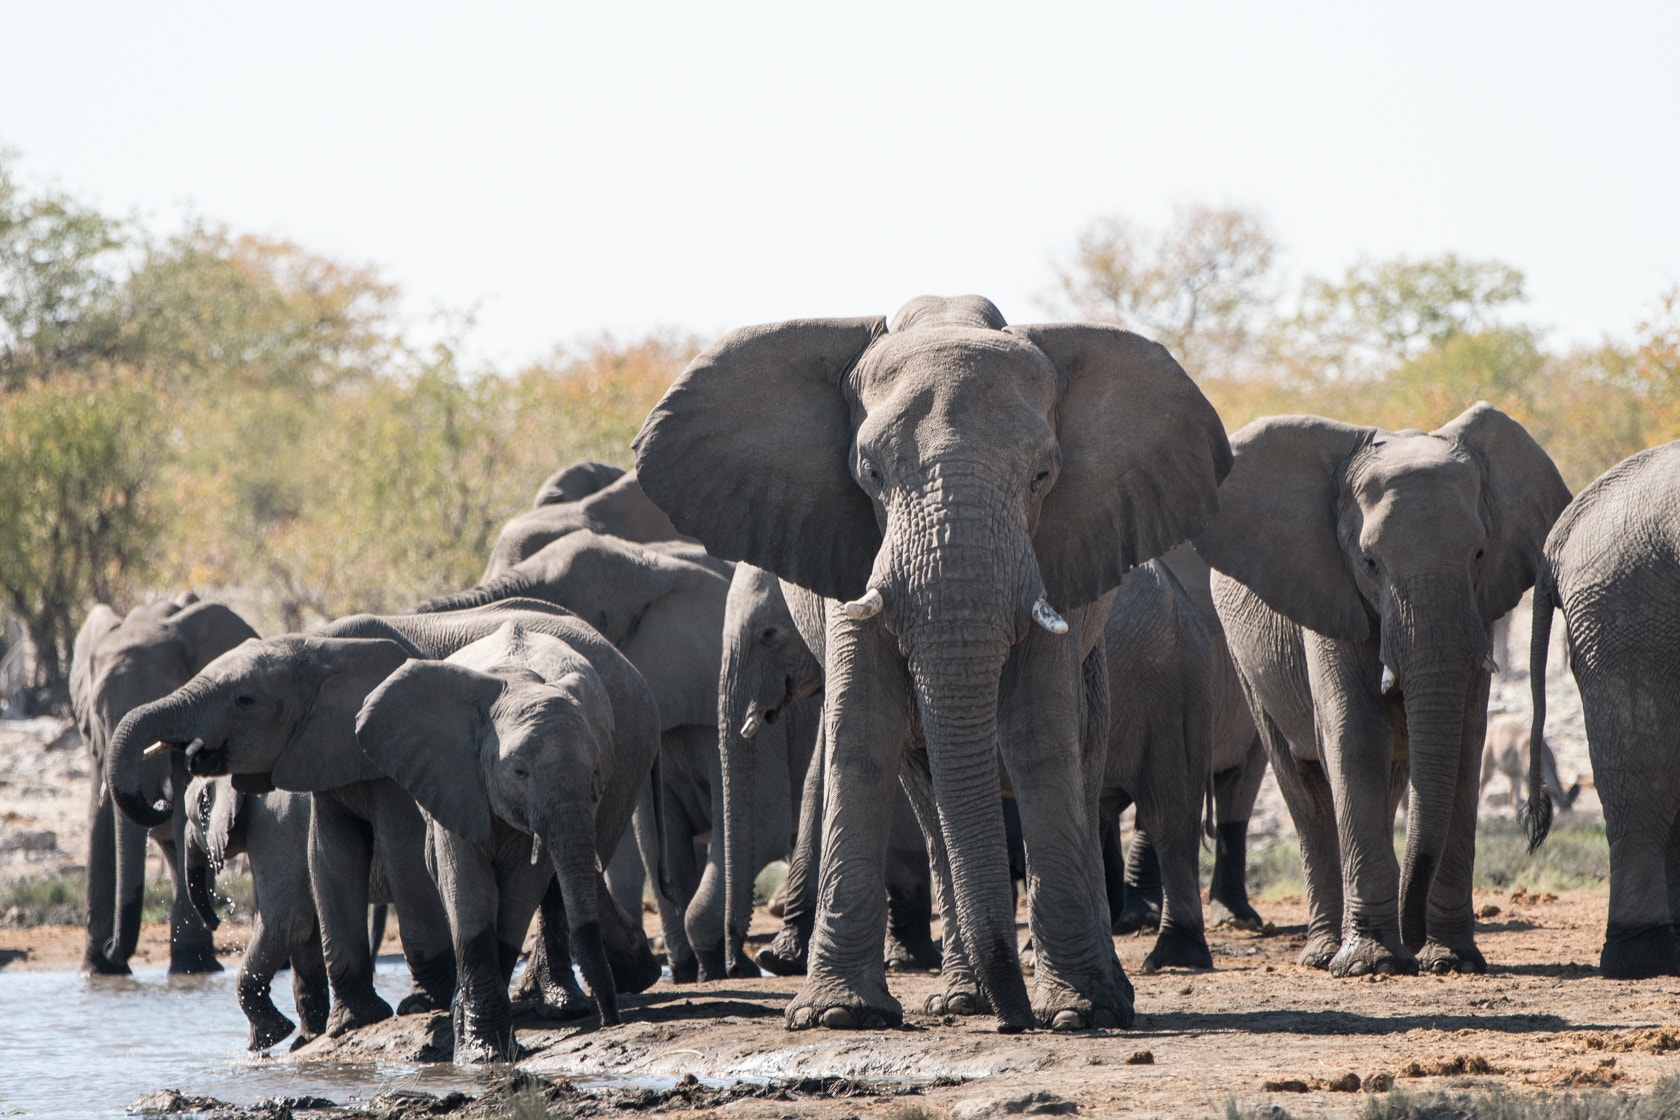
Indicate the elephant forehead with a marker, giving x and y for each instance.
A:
(256, 659)
(962, 365)
(1403, 462)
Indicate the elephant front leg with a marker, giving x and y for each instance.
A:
(264, 956)
(960, 992)
(787, 953)
(1451, 918)
(1306, 792)
(422, 923)
(548, 983)
(1234, 793)
(310, 987)
(340, 857)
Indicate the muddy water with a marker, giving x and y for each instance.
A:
(72, 1045)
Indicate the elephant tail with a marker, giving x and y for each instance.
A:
(1537, 811)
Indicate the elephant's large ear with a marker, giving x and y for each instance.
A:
(422, 726)
(101, 620)
(1523, 497)
(675, 643)
(209, 630)
(322, 752)
(1143, 453)
(748, 452)
(1276, 531)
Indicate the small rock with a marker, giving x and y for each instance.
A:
(1489, 911)
(1346, 1083)
(1379, 1083)
(1288, 1085)
(1141, 1058)
(1037, 1103)
(36, 840)
(689, 1080)
(167, 1101)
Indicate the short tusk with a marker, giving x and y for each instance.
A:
(194, 747)
(750, 728)
(1046, 616)
(867, 607)
(155, 749)
(536, 848)
(1387, 678)
(1490, 664)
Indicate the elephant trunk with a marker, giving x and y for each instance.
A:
(131, 888)
(572, 851)
(508, 585)
(162, 721)
(1435, 643)
(201, 885)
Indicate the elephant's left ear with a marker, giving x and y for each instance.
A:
(1524, 496)
(1143, 454)
(322, 751)
(209, 630)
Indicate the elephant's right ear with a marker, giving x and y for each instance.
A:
(209, 630)
(1276, 530)
(748, 452)
(422, 726)
(101, 620)
(322, 752)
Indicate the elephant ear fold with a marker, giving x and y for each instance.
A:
(322, 752)
(101, 620)
(209, 630)
(1524, 495)
(748, 452)
(422, 725)
(1277, 531)
(1143, 453)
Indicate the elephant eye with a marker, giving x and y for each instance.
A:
(769, 635)
(1038, 479)
(1481, 552)
(519, 771)
(244, 701)
(1370, 565)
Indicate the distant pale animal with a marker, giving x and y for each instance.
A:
(1506, 752)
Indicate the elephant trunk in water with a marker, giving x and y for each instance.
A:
(131, 889)
(572, 851)
(1434, 640)
(508, 585)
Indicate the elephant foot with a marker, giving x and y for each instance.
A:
(420, 1003)
(740, 966)
(479, 1040)
(777, 906)
(685, 970)
(363, 1011)
(184, 961)
(1362, 955)
(267, 1029)
(961, 999)
(1441, 958)
(711, 964)
(912, 954)
(634, 970)
(1067, 1011)
(785, 956)
(1234, 913)
(1320, 950)
(96, 963)
(841, 1006)
(1639, 952)
(551, 993)
(303, 1039)
(1139, 912)
(1177, 948)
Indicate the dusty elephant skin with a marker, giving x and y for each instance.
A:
(965, 496)
(1612, 565)
(120, 664)
(1358, 575)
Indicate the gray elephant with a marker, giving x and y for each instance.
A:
(272, 830)
(281, 713)
(576, 482)
(1612, 566)
(1238, 767)
(1358, 573)
(119, 664)
(618, 508)
(955, 500)
(517, 746)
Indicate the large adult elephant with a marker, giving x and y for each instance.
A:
(516, 746)
(964, 496)
(617, 508)
(1612, 565)
(1358, 573)
(118, 665)
(281, 713)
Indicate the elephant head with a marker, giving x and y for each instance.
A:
(279, 711)
(516, 727)
(576, 482)
(957, 479)
(618, 508)
(665, 613)
(1415, 541)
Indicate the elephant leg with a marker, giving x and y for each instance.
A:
(340, 857)
(1182, 942)
(786, 953)
(1451, 917)
(548, 982)
(910, 944)
(265, 955)
(703, 916)
(1141, 908)
(310, 987)
(634, 967)
(101, 880)
(192, 944)
(467, 878)
(1640, 791)
(960, 994)
(1306, 792)
(866, 720)
(625, 877)
(1110, 806)
(1234, 794)
(1053, 732)
(422, 922)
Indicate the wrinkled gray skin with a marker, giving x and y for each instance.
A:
(961, 471)
(1612, 565)
(768, 686)
(1238, 768)
(517, 747)
(282, 713)
(1339, 550)
(118, 665)
(618, 509)
(662, 604)
(272, 829)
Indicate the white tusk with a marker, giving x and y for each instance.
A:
(867, 607)
(1387, 678)
(750, 728)
(154, 750)
(194, 747)
(536, 848)
(1490, 664)
(1046, 616)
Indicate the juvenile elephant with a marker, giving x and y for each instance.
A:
(1612, 565)
(517, 746)
(281, 713)
(272, 830)
(618, 508)
(1358, 573)
(958, 498)
(118, 665)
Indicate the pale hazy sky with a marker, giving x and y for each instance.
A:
(567, 168)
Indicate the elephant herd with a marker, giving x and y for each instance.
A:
(864, 579)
